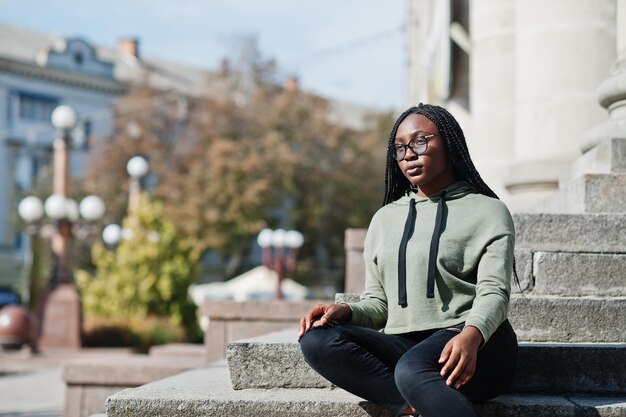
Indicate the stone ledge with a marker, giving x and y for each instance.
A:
(560, 319)
(131, 370)
(275, 361)
(581, 195)
(179, 350)
(207, 392)
(590, 233)
(568, 319)
(579, 274)
(276, 310)
(606, 158)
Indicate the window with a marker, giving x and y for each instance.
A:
(36, 107)
(78, 58)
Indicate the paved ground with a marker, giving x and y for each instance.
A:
(31, 385)
(32, 393)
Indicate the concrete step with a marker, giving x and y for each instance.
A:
(90, 380)
(588, 233)
(609, 157)
(571, 274)
(179, 350)
(275, 361)
(560, 319)
(568, 319)
(208, 392)
(589, 193)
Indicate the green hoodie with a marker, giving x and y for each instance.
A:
(473, 267)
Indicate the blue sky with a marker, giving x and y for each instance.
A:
(347, 49)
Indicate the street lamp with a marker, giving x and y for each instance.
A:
(62, 312)
(137, 168)
(280, 248)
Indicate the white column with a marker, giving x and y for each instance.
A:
(419, 22)
(612, 92)
(562, 52)
(492, 98)
(428, 51)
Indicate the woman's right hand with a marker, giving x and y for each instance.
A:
(322, 314)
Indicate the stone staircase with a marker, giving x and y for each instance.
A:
(559, 376)
(268, 376)
(570, 320)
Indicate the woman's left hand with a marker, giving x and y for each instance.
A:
(459, 356)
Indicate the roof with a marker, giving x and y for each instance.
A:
(257, 283)
(27, 51)
(29, 47)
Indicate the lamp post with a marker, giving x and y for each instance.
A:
(280, 248)
(61, 322)
(137, 168)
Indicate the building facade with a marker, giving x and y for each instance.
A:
(522, 78)
(38, 72)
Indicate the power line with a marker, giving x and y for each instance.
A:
(366, 40)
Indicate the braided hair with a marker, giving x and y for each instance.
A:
(397, 185)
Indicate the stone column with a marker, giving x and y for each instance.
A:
(492, 99)
(596, 181)
(354, 243)
(612, 92)
(562, 52)
(61, 323)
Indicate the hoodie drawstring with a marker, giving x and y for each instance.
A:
(434, 248)
(409, 227)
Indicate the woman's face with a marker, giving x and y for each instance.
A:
(431, 171)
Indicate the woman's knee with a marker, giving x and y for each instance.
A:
(411, 370)
(315, 344)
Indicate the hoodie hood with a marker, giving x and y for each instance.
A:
(453, 191)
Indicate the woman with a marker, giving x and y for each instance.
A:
(439, 257)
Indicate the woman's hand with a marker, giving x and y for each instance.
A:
(323, 314)
(459, 356)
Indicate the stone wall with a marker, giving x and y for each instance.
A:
(233, 320)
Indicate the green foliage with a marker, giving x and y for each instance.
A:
(146, 276)
(138, 334)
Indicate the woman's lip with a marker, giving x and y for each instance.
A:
(414, 171)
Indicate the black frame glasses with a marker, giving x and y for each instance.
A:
(419, 145)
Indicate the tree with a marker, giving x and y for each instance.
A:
(234, 166)
(147, 275)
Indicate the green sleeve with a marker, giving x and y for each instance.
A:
(493, 286)
(371, 311)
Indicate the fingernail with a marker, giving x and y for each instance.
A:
(457, 386)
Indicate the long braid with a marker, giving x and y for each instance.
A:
(396, 184)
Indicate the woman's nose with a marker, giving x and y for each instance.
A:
(409, 154)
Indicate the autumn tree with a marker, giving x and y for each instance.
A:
(242, 161)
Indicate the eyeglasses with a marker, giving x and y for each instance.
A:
(418, 145)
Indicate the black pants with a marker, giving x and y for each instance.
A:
(396, 370)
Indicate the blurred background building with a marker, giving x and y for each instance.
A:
(521, 77)
(40, 71)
